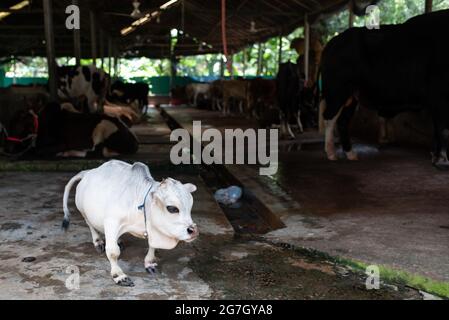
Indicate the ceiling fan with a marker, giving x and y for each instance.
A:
(253, 28)
(135, 13)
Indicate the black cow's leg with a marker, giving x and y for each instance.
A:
(343, 129)
(441, 144)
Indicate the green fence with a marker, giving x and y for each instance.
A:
(2, 77)
(159, 86)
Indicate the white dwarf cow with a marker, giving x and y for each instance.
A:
(118, 198)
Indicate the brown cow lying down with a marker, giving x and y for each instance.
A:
(54, 131)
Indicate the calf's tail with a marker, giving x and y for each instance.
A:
(68, 187)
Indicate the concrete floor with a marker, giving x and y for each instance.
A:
(390, 208)
(35, 255)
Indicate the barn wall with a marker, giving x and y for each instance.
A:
(411, 128)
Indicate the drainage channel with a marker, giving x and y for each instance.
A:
(248, 216)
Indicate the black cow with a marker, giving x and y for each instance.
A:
(296, 101)
(54, 131)
(129, 92)
(393, 69)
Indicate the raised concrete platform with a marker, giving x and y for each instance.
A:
(388, 209)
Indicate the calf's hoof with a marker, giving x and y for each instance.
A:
(100, 247)
(123, 281)
(151, 268)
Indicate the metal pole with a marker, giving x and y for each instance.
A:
(50, 42)
(306, 47)
(77, 40)
(93, 37)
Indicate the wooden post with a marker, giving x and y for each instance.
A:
(110, 54)
(244, 61)
(428, 6)
(173, 66)
(50, 43)
(231, 57)
(222, 65)
(115, 60)
(259, 60)
(93, 37)
(280, 50)
(351, 14)
(102, 47)
(77, 40)
(306, 46)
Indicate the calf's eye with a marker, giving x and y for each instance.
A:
(172, 209)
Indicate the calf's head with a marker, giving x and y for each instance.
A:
(170, 218)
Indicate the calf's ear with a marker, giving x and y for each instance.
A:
(190, 187)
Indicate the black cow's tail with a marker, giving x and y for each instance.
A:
(68, 187)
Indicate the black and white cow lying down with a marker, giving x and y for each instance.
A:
(63, 133)
(88, 82)
(118, 198)
(394, 69)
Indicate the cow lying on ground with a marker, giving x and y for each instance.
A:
(58, 132)
(129, 92)
(83, 81)
(118, 198)
(384, 70)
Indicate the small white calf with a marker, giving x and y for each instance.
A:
(119, 198)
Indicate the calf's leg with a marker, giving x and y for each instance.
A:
(150, 261)
(113, 253)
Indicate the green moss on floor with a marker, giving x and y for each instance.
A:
(391, 275)
(387, 274)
